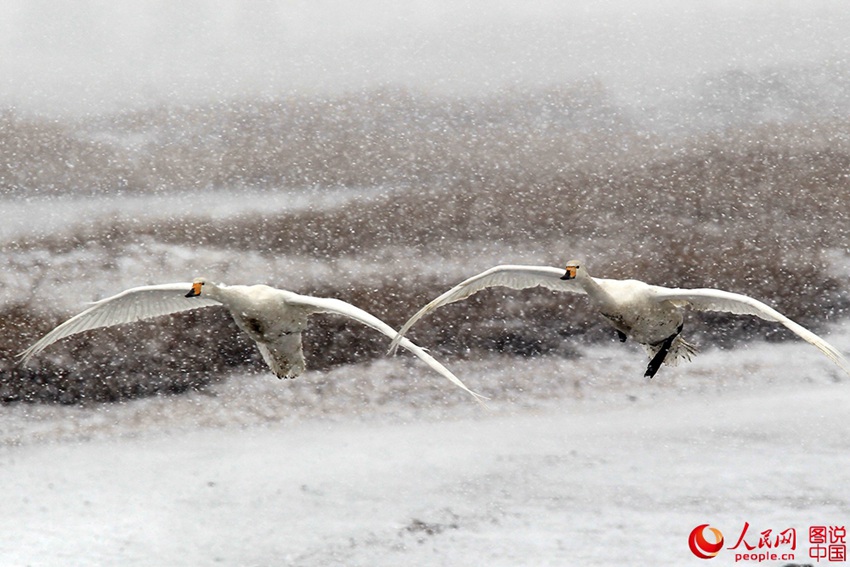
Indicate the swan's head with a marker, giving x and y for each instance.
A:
(573, 269)
(197, 286)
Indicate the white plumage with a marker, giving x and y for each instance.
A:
(273, 318)
(650, 315)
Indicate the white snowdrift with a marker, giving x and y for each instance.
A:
(613, 471)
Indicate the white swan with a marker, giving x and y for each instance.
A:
(273, 318)
(651, 315)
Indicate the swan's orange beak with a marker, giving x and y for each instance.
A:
(571, 273)
(196, 290)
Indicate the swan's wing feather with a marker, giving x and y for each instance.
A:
(706, 299)
(339, 307)
(513, 277)
(126, 307)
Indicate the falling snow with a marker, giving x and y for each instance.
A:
(380, 153)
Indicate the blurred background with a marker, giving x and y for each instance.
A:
(381, 152)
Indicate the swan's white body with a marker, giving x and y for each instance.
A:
(273, 318)
(651, 315)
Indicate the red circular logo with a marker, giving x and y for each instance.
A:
(700, 546)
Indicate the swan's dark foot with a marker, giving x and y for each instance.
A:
(659, 357)
(622, 336)
(655, 363)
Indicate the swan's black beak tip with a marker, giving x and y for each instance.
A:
(196, 290)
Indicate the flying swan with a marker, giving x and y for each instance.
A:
(651, 315)
(273, 318)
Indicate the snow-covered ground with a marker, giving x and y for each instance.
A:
(590, 465)
(41, 216)
(81, 275)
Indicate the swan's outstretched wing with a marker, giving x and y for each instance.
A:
(330, 305)
(128, 306)
(719, 300)
(514, 277)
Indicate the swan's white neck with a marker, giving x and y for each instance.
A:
(594, 290)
